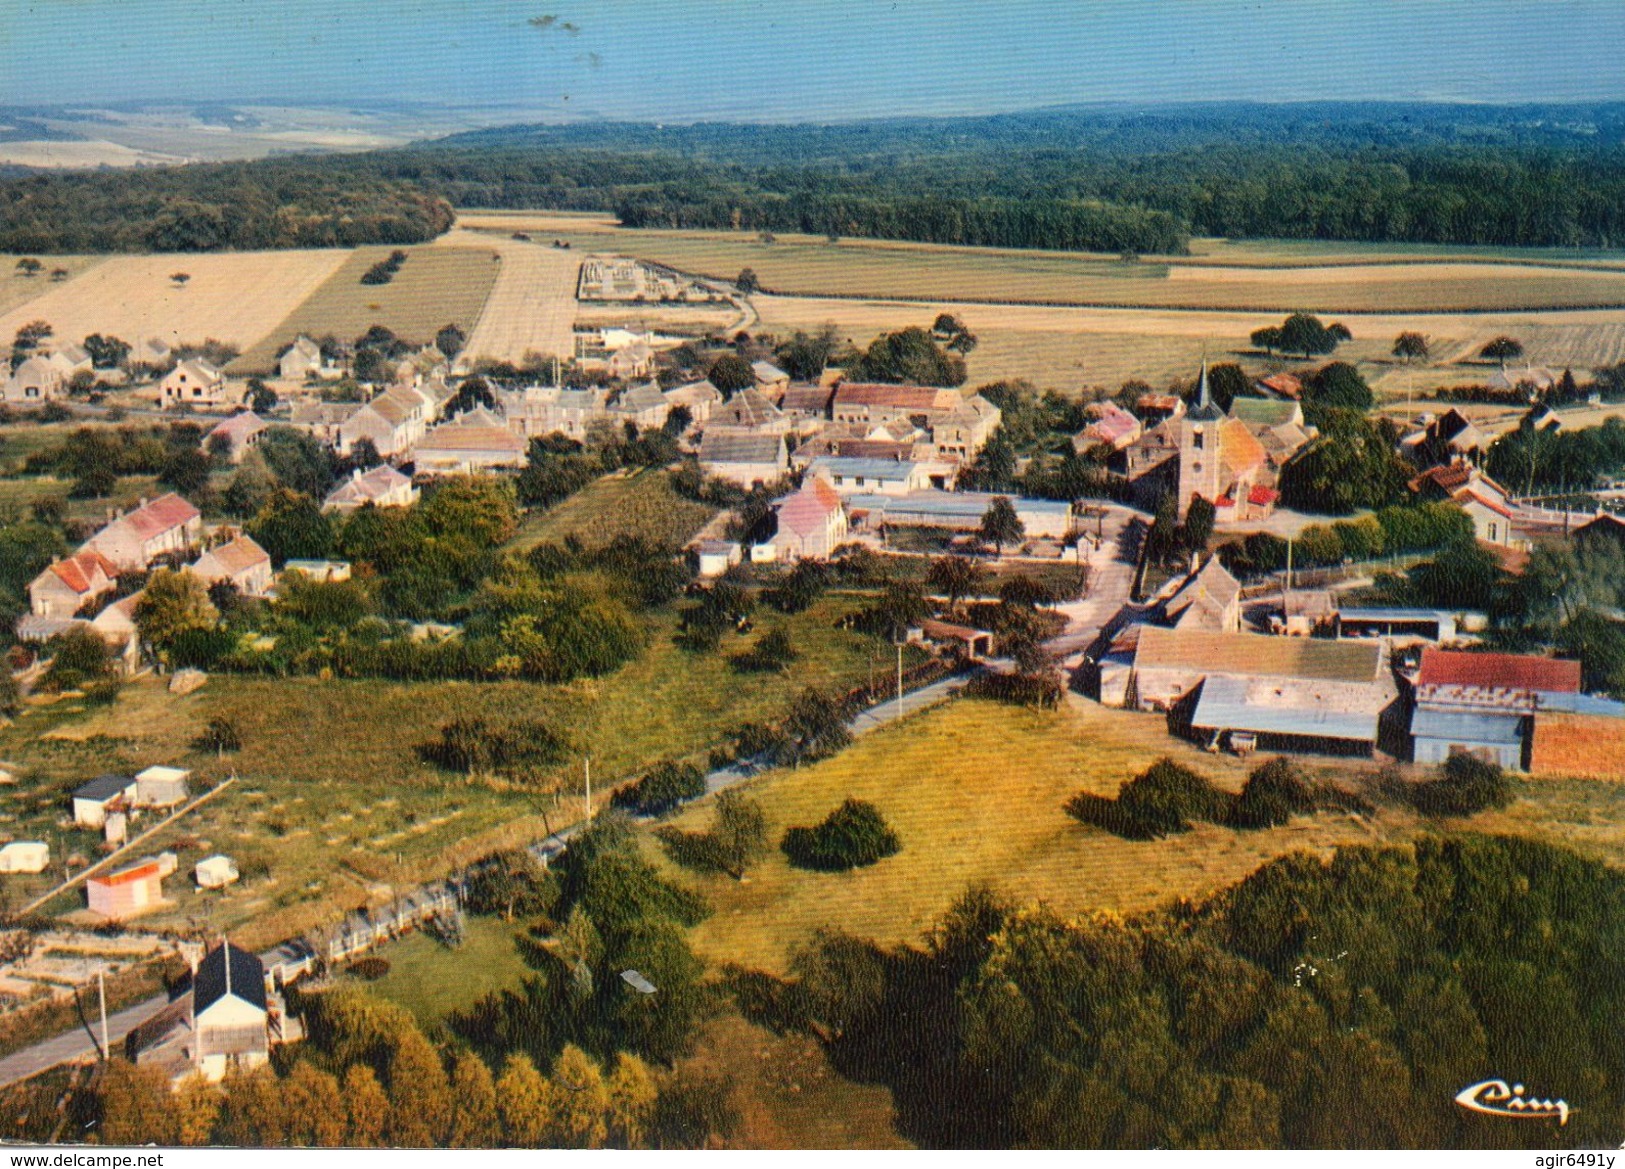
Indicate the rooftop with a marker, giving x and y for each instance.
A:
(1498, 671)
(1257, 655)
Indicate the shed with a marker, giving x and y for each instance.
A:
(716, 556)
(91, 801)
(24, 856)
(1288, 714)
(161, 787)
(216, 872)
(1495, 736)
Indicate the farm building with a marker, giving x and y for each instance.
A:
(743, 457)
(242, 563)
(321, 420)
(92, 801)
(1484, 704)
(71, 583)
(751, 410)
(131, 890)
(383, 486)
(1285, 693)
(715, 557)
(168, 525)
(161, 787)
(642, 404)
(698, 398)
(24, 856)
(215, 872)
(1401, 625)
(237, 435)
(770, 379)
(1280, 385)
(870, 476)
(959, 511)
(805, 402)
(193, 383)
(1210, 599)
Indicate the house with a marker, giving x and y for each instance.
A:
(542, 410)
(161, 787)
(25, 856)
(1276, 693)
(1280, 385)
(1450, 437)
(116, 626)
(242, 563)
(1484, 704)
(1210, 599)
(393, 422)
(751, 410)
(67, 586)
(812, 523)
(230, 1012)
(963, 429)
(166, 526)
(870, 476)
(215, 872)
(131, 889)
(1154, 408)
(698, 398)
(643, 405)
(770, 379)
(1530, 380)
(957, 511)
(806, 403)
(1606, 528)
(40, 378)
(870, 403)
(92, 801)
(322, 419)
(301, 361)
(383, 486)
(236, 435)
(743, 457)
(194, 382)
(1112, 426)
(470, 443)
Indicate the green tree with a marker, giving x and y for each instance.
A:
(475, 1122)
(1198, 528)
(106, 352)
(957, 576)
(478, 507)
(366, 1108)
(579, 1101)
(1304, 334)
(186, 470)
(315, 1107)
(420, 1103)
(29, 266)
(1502, 349)
(450, 341)
(731, 373)
(739, 831)
(260, 398)
(909, 356)
(746, 283)
(1409, 347)
(815, 727)
(1001, 525)
(255, 1113)
(290, 526)
(173, 603)
(853, 835)
(1338, 385)
(1269, 339)
(523, 1100)
(633, 1093)
(136, 1105)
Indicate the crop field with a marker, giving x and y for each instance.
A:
(641, 504)
(438, 285)
(17, 289)
(234, 297)
(531, 308)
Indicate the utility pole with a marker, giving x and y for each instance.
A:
(588, 774)
(101, 992)
(899, 679)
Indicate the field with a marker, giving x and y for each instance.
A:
(333, 799)
(16, 289)
(231, 297)
(639, 504)
(432, 980)
(437, 285)
(531, 307)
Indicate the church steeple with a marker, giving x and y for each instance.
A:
(1205, 410)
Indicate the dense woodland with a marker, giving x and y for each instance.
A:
(1113, 179)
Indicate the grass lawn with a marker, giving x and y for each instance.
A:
(433, 980)
(975, 790)
(639, 504)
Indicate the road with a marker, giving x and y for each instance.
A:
(1111, 581)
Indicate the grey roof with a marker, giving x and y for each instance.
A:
(1380, 613)
(1466, 726)
(1579, 704)
(954, 504)
(734, 447)
(1225, 705)
(103, 787)
(1204, 410)
(860, 468)
(228, 969)
(646, 396)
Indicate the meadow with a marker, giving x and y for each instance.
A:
(638, 504)
(438, 285)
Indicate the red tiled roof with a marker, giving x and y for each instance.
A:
(1500, 671)
(1263, 495)
(1479, 497)
(239, 556)
(140, 872)
(1284, 384)
(807, 510)
(163, 514)
(76, 571)
(897, 397)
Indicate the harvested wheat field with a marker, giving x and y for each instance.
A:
(234, 297)
(17, 289)
(437, 285)
(531, 308)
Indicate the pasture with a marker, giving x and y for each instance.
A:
(639, 504)
(234, 297)
(438, 285)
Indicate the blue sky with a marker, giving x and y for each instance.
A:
(684, 60)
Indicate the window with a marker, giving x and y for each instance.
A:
(1199, 438)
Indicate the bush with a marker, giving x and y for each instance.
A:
(1466, 784)
(854, 834)
(472, 744)
(1273, 794)
(370, 969)
(664, 787)
(1040, 690)
(1161, 802)
(220, 736)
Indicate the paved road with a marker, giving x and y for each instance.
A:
(1111, 580)
(82, 1042)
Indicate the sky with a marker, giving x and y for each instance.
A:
(805, 60)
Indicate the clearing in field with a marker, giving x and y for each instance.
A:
(235, 297)
(640, 504)
(531, 309)
(436, 286)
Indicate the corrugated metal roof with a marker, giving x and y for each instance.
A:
(1466, 726)
(1581, 704)
(956, 503)
(1232, 704)
(864, 468)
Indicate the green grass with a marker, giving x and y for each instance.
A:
(638, 504)
(433, 980)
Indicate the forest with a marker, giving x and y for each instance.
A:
(1106, 178)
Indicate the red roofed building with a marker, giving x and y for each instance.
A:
(166, 525)
(68, 585)
(133, 889)
(812, 522)
(242, 562)
(1518, 673)
(1281, 385)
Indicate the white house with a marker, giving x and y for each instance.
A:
(161, 787)
(193, 383)
(91, 801)
(166, 525)
(230, 1013)
(383, 486)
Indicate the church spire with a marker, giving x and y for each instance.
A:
(1205, 410)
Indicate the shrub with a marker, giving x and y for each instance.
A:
(1466, 784)
(371, 969)
(1273, 794)
(1160, 802)
(102, 692)
(472, 744)
(1040, 690)
(854, 834)
(660, 790)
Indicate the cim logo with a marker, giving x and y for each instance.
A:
(1498, 1098)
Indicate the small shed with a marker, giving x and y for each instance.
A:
(216, 872)
(716, 556)
(161, 787)
(24, 856)
(92, 801)
(116, 828)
